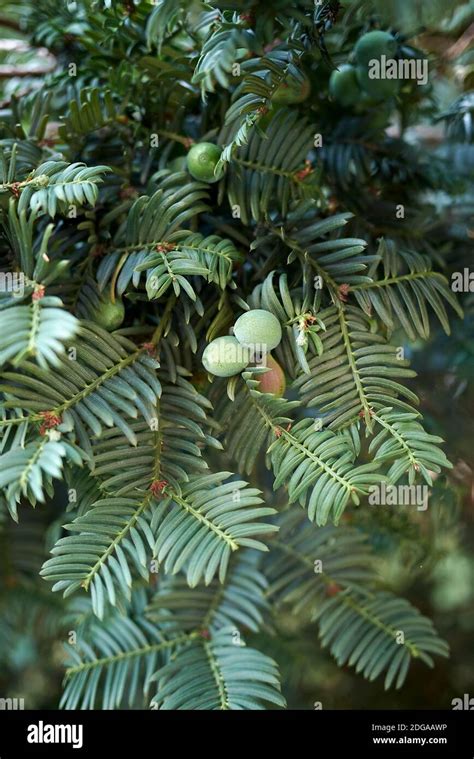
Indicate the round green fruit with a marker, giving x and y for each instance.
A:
(292, 91)
(225, 356)
(109, 315)
(202, 160)
(273, 380)
(343, 85)
(373, 45)
(259, 330)
(377, 89)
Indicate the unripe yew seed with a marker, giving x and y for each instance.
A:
(258, 329)
(225, 356)
(373, 45)
(202, 160)
(379, 89)
(344, 87)
(109, 315)
(273, 380)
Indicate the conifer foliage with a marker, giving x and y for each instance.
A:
(193, 510)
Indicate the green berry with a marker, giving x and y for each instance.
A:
(374, 45)
(108, 314)
(377, 89)
(344, 87)
(292, 91)
(258, 329)
(225, 356)
(202, 160)
(273, 380)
